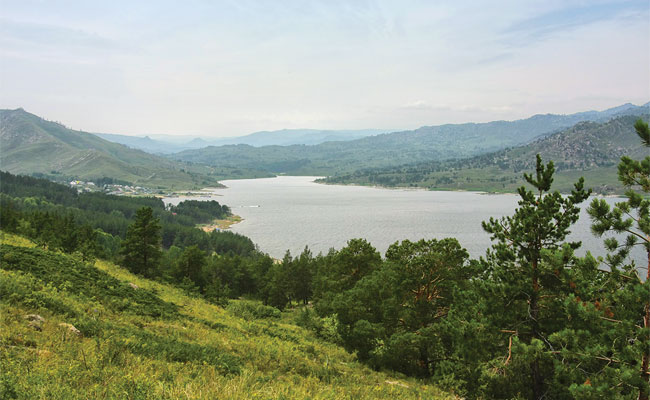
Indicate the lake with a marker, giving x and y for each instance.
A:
(289, 213)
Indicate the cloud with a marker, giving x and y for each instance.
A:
(51, 35)
(571, 17)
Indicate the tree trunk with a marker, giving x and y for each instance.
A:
(538, 380)
(645, 375)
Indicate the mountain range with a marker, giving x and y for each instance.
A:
(421, 157)
(167, 144)
(430, 143)
(588, 149)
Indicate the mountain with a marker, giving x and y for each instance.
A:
(30, 144)
(288, 137)
(587, 149)
(145, 143)
(428, 143)
(167, 144)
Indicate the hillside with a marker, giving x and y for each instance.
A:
(432, 143)
(587, 149)
(167, 144)
(30, 144)
(74, 330)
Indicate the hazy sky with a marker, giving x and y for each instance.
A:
(225, 68)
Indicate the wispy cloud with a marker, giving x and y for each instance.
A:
(571, 17)
(231, 67)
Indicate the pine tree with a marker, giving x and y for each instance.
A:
(191, 263)
(523, 288)
(628, 293)
(141, 250)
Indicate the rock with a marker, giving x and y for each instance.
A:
(36, 325)
(34, 317)
(70, 328)
(134, 286)
(35, 321)
(397, 383)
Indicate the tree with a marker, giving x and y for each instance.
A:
(341, 270)
(392, 316)
(190, 264)
(302, 276)
(517, 279)
(141, 250)
(628, 293)
(277, 288)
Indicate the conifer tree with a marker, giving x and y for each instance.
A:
(629, 294)
(522, 287)
(141, 250)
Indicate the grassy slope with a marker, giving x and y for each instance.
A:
(192, 350)
(30, 144)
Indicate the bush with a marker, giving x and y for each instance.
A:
(252, 310)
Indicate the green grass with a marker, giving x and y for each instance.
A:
(188, 348)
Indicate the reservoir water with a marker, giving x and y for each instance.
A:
(289, 213)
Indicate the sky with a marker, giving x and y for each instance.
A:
(228, 68)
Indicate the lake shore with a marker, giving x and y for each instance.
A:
(221, 224)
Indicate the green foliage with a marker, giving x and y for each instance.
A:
(519, 276)
(626, 296)
(172, 349)
(63, 272)
(341, 270)
(206, 352)
(190, 264)
(249, 310)
(201, 212)
(141, 248)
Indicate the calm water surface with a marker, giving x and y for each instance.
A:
(289, 213)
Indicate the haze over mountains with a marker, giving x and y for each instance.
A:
(167, 144)
(32, 145)
(424, 144)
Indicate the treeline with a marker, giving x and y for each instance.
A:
(95, 224)
(201, 212)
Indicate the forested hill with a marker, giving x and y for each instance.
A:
(30, 144)
(587, 149)
(432, 143)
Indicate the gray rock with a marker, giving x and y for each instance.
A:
(70, 328)
(35, 321)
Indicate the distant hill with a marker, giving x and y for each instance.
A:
(431, 143)
(166, 144)
(30, 144)
(145, 143)
(587, 149)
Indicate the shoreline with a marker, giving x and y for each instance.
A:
(483, 192)
(221, 224)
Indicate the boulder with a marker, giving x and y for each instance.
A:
(35, 321)
(70, 328)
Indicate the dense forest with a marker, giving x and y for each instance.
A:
(529, 320)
